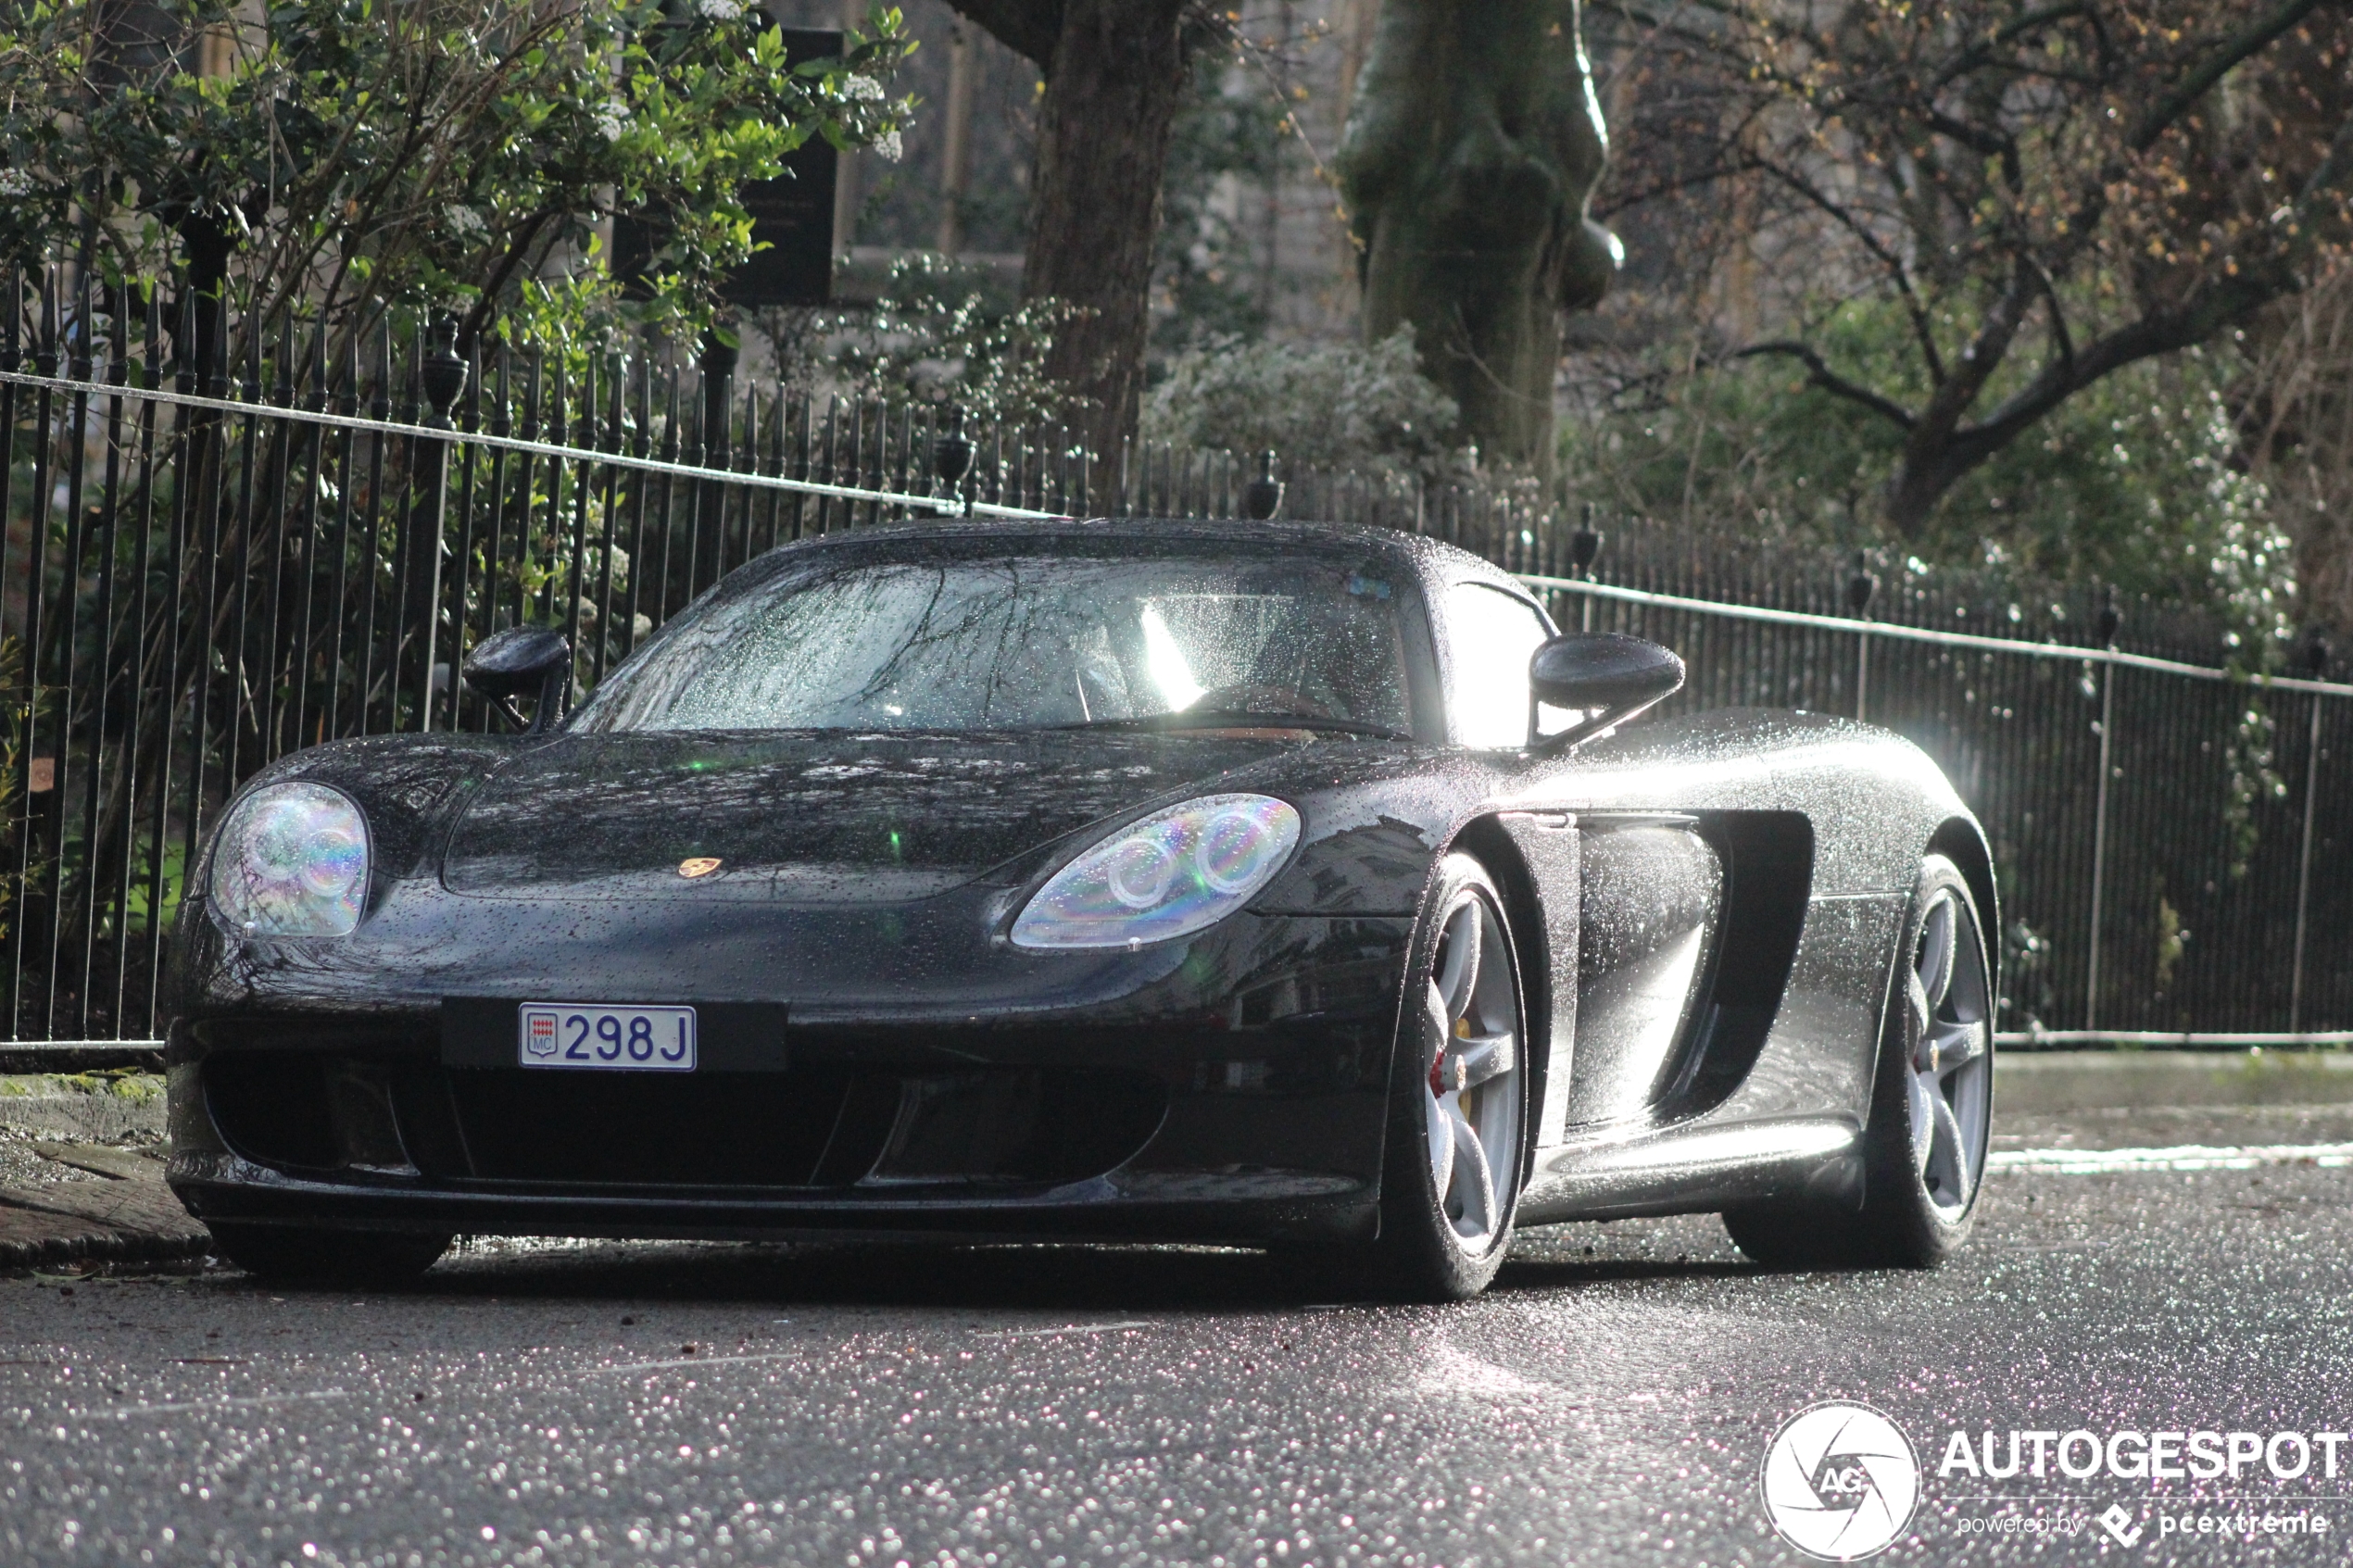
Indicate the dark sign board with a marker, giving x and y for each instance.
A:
(792, 216)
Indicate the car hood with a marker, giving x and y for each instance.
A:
(804, 817)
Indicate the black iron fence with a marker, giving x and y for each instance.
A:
(226, 539)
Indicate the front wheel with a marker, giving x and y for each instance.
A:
(301, 1255)
(1458, 1102)
(1931, 1105)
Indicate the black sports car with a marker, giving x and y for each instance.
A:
(1245, 883)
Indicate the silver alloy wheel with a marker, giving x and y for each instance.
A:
(1471, 1062)
(1952, 1067)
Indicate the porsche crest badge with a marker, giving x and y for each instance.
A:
(698, 865)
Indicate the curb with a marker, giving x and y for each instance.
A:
(128, 1216)
(33, 1238)
(2051, 1081)
(79, 1055)
(96, 1110)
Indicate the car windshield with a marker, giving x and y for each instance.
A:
(1027, 640)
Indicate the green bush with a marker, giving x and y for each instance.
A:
(338, 155)
(1337, 405)
(941, 333)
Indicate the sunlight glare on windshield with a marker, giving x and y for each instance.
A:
(1166, 663)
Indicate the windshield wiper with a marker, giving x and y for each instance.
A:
(1239, 719)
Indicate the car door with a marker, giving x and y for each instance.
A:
(1486, 637)
(1632, 901)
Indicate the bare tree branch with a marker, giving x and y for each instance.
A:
(2248, 41)
(1900, 274)
(2196, 320)
(1984, 160)
(2033, 22)
(1829, 381)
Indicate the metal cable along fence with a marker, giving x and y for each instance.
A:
(227, 539)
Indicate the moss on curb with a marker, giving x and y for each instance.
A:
(118, 1083)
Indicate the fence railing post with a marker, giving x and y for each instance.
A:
(443, 377)
(1859, 589)
(2315, 657)
(708, 541)
(2110, 621)
(1583, 545)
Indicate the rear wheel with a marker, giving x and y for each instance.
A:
(302, 1255)
(1932, 1107)
(1458, 1104)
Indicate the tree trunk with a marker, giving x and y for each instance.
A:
(1921, 482)
(1112, 91)
(1472, 148)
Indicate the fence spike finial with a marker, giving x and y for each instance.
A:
(1863, 584)
(2111, 618)
(1263, 496)
(1585, 544)
(444, 374)
(952, 459)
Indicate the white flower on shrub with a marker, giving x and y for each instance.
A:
(15, 183)
(1337, 403)
(465, 222)
(890, 146)
(720, 10)
(863, 88)
(612, 120)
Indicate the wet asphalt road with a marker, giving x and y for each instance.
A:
(853, 1406)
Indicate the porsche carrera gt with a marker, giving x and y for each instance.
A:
(1281, 884)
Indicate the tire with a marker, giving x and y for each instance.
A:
(1456, 1151)
(300, 1255)
(1932, 1107)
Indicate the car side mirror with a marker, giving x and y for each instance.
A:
(1609, 676)
(523, 662)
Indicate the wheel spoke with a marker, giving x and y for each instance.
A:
(1946, 1048)
(1457, 977)
(1441, 1148)
(1478, 1183)
(1938, 939)
(1474, 1060)
(1947, 1165)
(1924, 1099)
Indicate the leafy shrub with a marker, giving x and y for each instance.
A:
(942, 334)
(1335, 405)
(341, 154)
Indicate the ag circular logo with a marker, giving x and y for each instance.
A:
(1839, 1482)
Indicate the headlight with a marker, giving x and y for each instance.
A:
(291, 861)
(1170, 874)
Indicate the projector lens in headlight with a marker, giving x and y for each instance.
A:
(1170, 874)
(291, 861)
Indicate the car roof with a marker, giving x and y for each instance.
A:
(1433, 560)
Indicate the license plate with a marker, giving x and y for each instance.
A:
(588, 1034)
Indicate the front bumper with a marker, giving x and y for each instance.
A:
(1232, 1089)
